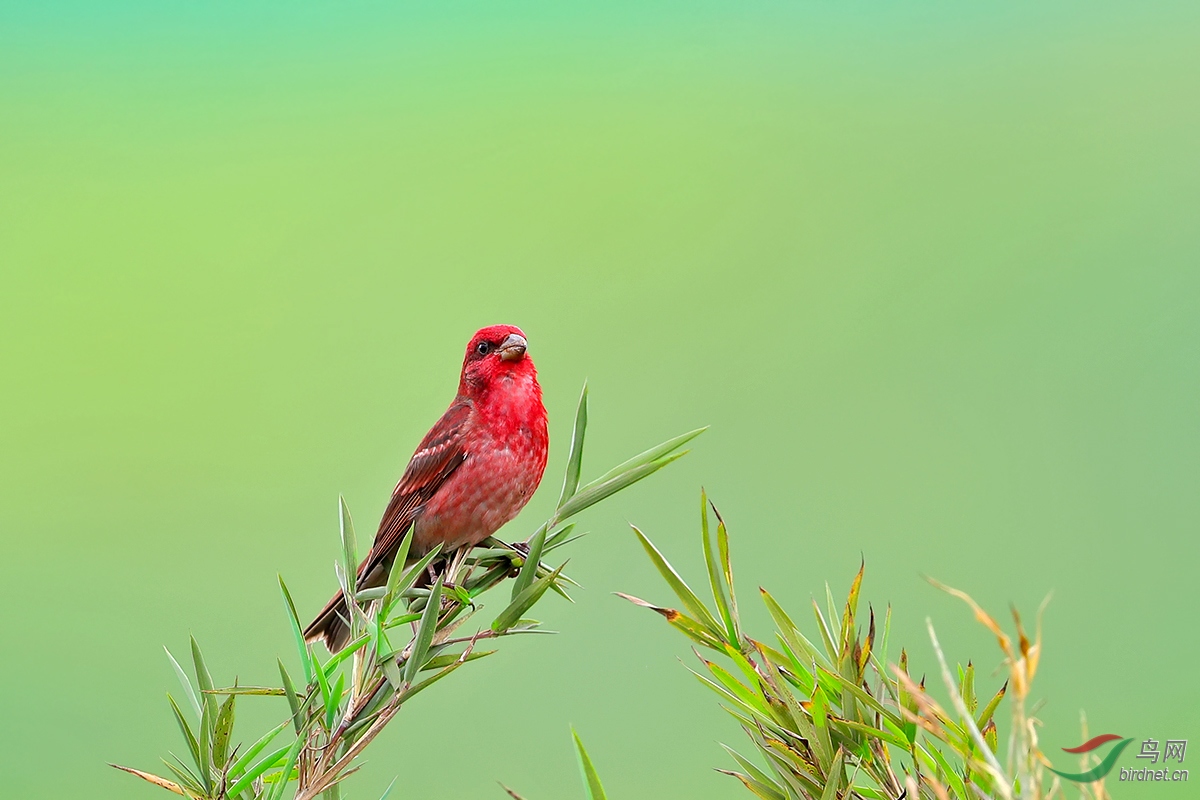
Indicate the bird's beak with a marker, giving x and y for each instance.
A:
(513, 347)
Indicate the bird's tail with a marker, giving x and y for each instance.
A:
(331, 625)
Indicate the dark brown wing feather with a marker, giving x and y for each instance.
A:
(440, 453)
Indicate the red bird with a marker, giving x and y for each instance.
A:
(474, 470)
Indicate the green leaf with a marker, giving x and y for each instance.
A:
(727, 569)
(410, 576)
(188, 736)
(187, 684)
(790, 633)
(653, 454)
(255, 691)
(222, 731)
(388, 790)
(425, 631)
(240, 765)
(396, 575)
(575, 459)
(443, 661)
(290, 691)
(532, 561)
(207, 723)
(834, 776)
(349, 545)
(297, 633)
(524, 601)
(990, 708)
(591, 780)
(763, 784)
(715, 576)
(599, 490)
(204, 679)
(323, 683)
(285, 774)
(678, 585)
(334, 701)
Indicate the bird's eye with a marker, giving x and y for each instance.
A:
(483, 348)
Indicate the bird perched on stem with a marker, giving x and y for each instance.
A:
(475, 469)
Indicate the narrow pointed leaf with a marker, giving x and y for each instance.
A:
(410, 576)
(203, 679)
(425, 631)
(349, 544)
(532, 561)
(715, 578)
(188, 736)
(222, 731)
(297, 633)
(591, 780)
(290, 691)
(653, 454)
(187, 684)
(524, 601)
(268, 761)
(575, 459)
(599, 490)
(396, 575)
(244, 760)
(285, 774)
(678, 585)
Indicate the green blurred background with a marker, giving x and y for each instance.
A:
(929, 272)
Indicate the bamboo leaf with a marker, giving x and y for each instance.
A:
(188, 736)
(349, 546)
(524, 601)
(599, 490)
(591, 780)
(678, 585)
(410, 576)
(715, 577)
(240, 765)
(575, 459)
(653, 454)
(399, 564)
(187, 684)
(285, 774)
(297, 633)
(222, 731)
(204, 679)
(293, 700)
(425, 631)
(334, 701)
(532, 561)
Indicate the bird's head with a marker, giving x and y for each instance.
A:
(495, 352)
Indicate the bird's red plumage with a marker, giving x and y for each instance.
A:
(474, 471)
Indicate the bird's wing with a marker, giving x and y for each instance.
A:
(439, 454)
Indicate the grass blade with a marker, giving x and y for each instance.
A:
(678, 585)
(425, 631)
(524, 601)
(530, 567)
(297, 633)
(268, 761)
(240, 765)
(575, 459)
(599, 490)
(715, 577)
(591, 780)
(653, 454)
(349, 545)
(187, 684)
